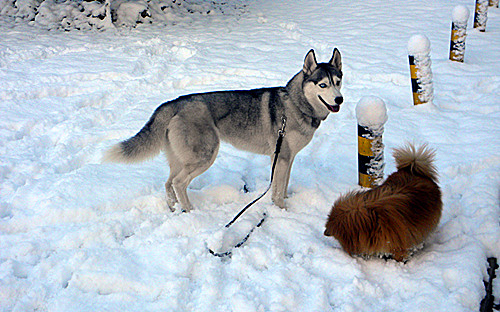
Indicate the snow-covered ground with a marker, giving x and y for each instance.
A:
(78, 235)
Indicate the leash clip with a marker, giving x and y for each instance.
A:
(281, 132)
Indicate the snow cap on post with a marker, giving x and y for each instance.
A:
(418, 45)
(371, 114)
(460, 14)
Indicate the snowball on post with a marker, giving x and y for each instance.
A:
(419, 48)
(460, 16)
(481, 15)
(371, 114)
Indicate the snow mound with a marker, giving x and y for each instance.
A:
(109, 14)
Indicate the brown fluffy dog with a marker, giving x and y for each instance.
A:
(395, 218)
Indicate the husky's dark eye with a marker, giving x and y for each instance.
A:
(322, 85)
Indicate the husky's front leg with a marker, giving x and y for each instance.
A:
(289, 171)
(280, 180)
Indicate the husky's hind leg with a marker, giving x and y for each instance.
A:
(193, 147)
(171, 197)
(175, 168)
(182, 180)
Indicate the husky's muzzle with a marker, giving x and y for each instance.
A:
(333, 108)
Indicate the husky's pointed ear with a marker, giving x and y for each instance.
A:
(336, 60)
(310, 63)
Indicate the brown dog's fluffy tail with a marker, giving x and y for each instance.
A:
(418, 160)
(392, 218)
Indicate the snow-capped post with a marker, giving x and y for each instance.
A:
(460, 16)
(419, 48)
(481, 14)
(371, 114)
(494, 3)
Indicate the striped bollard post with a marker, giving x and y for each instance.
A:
(371, 114)
(420, 69)
(481, 15)
(460, 16)
(494, 3)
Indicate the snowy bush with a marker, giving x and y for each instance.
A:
(105, 14)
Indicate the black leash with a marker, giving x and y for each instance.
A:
(281, 135)
(228, 253)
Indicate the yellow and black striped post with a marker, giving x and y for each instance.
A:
(481, 15)
(456, 52)
(415, 87)
(370, 157)
(419, 49)
(365, 155)
(460, 17)
(371, 114)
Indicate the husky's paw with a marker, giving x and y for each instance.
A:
(171, 204)
(186, 209)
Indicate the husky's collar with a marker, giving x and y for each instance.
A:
(315, 122)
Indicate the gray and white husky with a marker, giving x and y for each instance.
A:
(189, 129)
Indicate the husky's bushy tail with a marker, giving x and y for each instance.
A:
(146, 144)
(418, 160)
